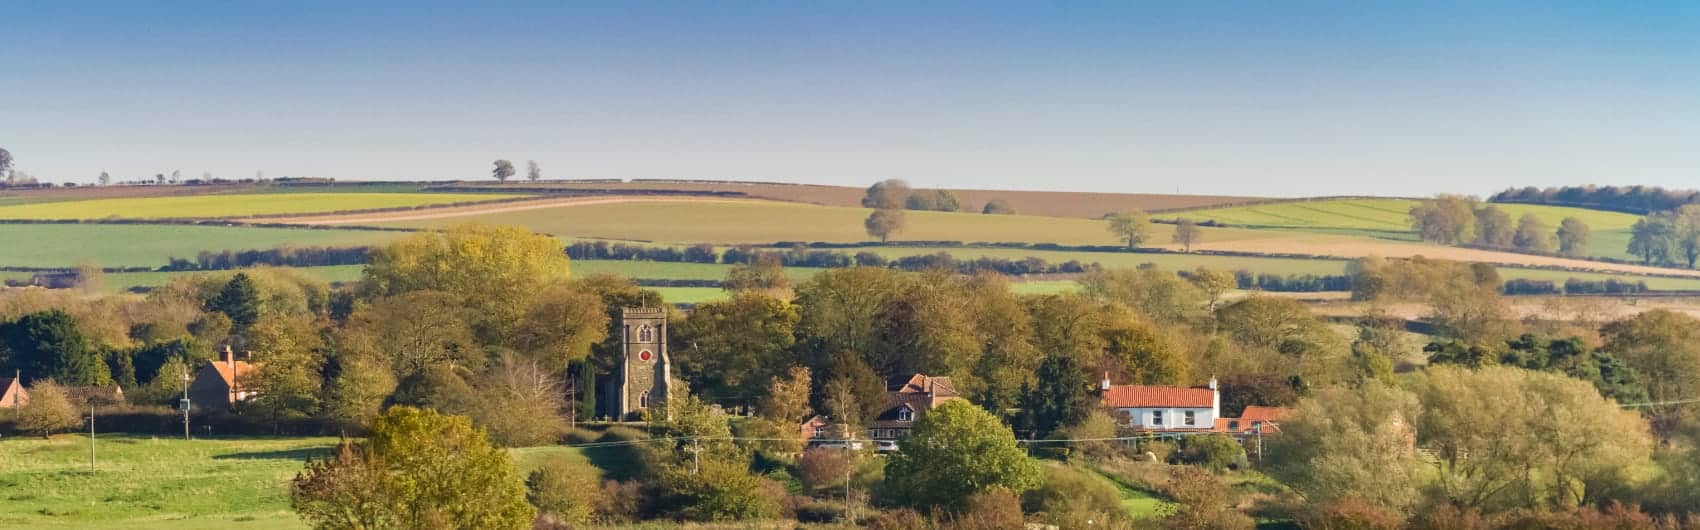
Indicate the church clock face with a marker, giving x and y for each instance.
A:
(644, 355)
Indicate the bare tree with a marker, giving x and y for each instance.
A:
(105, 178)
(176, 176)
(1130, 226)
(503, 170)
(5, 161)
(533, 172)
(1187, 233)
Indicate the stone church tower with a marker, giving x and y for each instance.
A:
(647, 372)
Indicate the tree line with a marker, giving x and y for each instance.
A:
(1458, 220)
(1632, 199)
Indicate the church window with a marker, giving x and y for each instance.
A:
(643, 400)
(646, 334)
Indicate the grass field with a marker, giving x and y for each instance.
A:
(143, 482)
(235, 205)
(1390, 219)
(738, 222)
(112, 245)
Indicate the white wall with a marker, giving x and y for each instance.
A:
(1173, 418)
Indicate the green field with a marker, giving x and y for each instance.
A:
(145, 482)
(235, 205)
(740, 222)
(114, 245)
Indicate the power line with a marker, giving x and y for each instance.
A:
(1659, 403)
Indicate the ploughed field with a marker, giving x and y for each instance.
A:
(234, 205)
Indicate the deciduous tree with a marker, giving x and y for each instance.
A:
(1573, 237)
(886, 195)
(1533, 235)
(729, 350)
(1351, 442)
(495, 271)
(1446, 219)
(1061, 396)
(957, 450)
(533, 172)
(503, 170)
(1494, 228)
(1187, 233)
(415, 330)
(997, 207)
(1653, 238)
(885, 222)
(1131, 226)
(48, 411)
(416, 469)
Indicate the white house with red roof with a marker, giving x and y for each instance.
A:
(1163, 408)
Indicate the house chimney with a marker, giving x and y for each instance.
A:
(1104, 384)
(230, 358)
(1213, 382)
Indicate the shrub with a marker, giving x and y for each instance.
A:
(819, 511)
(1348, 513)
(1213, 452)
(997, 509)
(720, 490)
(1162, 450)
(48, 411)
(565, 489)
(901, 519)
(619, 502)
(823, 469)
(1203, 500)
(1068, 493)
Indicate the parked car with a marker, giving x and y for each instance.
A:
(885, 446)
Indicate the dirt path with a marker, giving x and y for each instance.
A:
(473, 209)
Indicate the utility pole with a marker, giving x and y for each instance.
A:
(185, 403)
(696, 456)
(91, 435)
(849, 465)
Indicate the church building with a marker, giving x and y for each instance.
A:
(644, 377)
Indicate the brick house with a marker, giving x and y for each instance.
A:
(906, 400)
(218, 385)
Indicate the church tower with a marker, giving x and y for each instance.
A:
(646, 372)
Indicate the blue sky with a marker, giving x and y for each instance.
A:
(1255, 98)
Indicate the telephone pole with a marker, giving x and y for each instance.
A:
(91, 435)
(185, 403)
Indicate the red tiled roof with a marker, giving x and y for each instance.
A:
(1265, 414)
(1132, 396)
(230, 375)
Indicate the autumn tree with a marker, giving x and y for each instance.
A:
(1653, 239)
(1493, 227)
(1663, 347)
(1511, 438)
(520, 403)
(561, 326)
(1131, 226)
(1163, 295)
(955, 451)
(1533, 235)
(416, 469)
(286, 380)
(1140, 351)
(853, 394)
(730, 349)
(997, 207)
(887, 194)
(533, 172)
(496, 272)
(415, 330)
(885, 222)
(502, 170)
(565, 490)
(838, 308)
(1351, 442)
(356, 394)
(765, 273)
(48, 411)
(1186, 234)
(1213, 284)
(1446, 219)
(1573, 237)
(1686, 221)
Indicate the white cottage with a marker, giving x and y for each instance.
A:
(1163, 408)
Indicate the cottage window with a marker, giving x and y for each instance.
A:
(1257, 426)
(1190, 419)
(1156, 417)
(820, 431)
(1233, 425)
(904, 414)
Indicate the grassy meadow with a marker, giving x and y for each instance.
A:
(115, 245)
(235, 205)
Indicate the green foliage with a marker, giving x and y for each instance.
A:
(1061, 397)
(1573, 237)
(1663, 347)
(503, 170)
(729, 350)
(1203, 502)
(239, 300)
(1446, 219)
(1494, 228)
(50, 344)
(1213, 452)
(286, 380)
(417, 468)
(886, 194)
(718, 490)
(49, 410)
(561, 326)
(1070, 490)
(1163, 295)
(1610, 375)
(1534, 235)
(413, 331)
(565, 489)
(955, 451)
(357, 393)
(1350, 443)
(496, 272)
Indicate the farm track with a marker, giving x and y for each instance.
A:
(474, 209)
(1359, 247)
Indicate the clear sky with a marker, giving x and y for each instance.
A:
(1241, 97)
